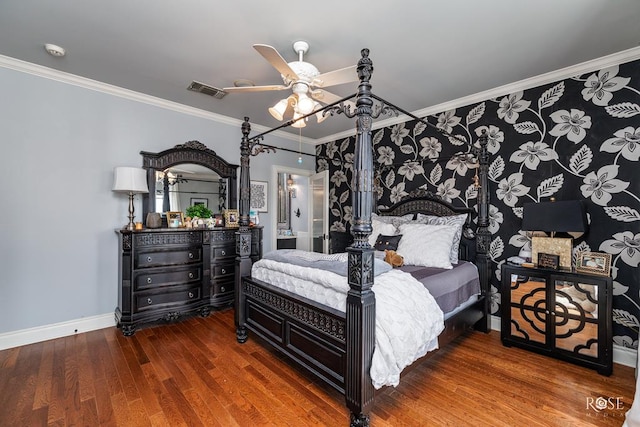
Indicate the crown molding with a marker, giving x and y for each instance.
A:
(85, 83)
(540, 80)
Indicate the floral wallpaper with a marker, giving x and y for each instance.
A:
(574, 139)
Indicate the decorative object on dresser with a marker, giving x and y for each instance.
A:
(231, 218)
(175, 219)
(560, 314)
(131, 181)
(568, 216)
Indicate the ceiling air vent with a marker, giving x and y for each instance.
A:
(207, 90)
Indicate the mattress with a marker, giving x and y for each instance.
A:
(452, 289)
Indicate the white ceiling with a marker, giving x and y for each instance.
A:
(425, 52)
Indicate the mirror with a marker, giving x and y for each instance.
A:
(284, 201)
(576, 321)
(187, 184)
(188, 174)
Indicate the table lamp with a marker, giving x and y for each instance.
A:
(132, 181)
(568, 216)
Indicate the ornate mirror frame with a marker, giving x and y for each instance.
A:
(189, 152)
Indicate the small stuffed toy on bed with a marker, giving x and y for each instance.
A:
(393, 258)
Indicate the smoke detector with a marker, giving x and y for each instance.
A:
(54, 50)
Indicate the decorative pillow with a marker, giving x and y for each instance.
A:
(395, 220)
(426, 244)
(387, 242)
(457, 220)
(380, 227)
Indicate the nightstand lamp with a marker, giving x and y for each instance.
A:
(132, 181)
(568, 216)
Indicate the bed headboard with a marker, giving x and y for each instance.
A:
(424, 202)
(427, 203)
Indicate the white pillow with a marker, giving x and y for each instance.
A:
(426, 244)
(380, 227)
(457, 220)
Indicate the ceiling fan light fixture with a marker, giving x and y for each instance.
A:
(305, 105)
(298, 123)
(277, 111)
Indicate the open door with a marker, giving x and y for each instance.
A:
(319, 184)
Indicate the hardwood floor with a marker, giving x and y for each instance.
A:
(193, 373)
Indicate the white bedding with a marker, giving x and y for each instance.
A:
(408, 320)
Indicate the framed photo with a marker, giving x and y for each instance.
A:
(551, 261)
(218, 220)
(231, 217)
(259, 196)
(174, 219)
(196, 201)
(594, 263)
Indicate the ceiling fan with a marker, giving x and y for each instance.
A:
(305, 81)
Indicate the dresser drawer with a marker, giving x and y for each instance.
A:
(222, 287)
(223, 270)
(149, 279)
(150, 301)
(164, 258)
(224, 252)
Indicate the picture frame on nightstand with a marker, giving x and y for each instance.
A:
(597, 263)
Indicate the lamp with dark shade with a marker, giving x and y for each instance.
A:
(131, 181)
(568, 216)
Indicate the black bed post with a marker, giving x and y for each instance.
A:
(483, 235)
(243, 236)
(361, 305)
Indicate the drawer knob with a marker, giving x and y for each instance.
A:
(149, 301)
(223, 252)
(148, 259)
(222, 289)
(190, 294)
(190, 275)
(224, 271)
(148, 279)
(190, 255)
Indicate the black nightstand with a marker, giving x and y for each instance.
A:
(563, 314)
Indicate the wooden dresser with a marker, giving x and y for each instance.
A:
(165, 274)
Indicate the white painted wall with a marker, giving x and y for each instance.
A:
(60, 143)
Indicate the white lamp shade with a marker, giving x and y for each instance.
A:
(130, 180)
(277, 111)
(299, 123)
(305, 104)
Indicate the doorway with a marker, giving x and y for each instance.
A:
(299, 222)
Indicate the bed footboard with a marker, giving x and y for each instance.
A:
(309, 333)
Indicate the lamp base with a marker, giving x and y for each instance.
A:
(552, 245)
(131, 226)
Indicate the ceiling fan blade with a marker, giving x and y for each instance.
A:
(336, 77)
(276, 60)
(255, 88)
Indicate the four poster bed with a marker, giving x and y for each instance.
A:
(339, 339)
